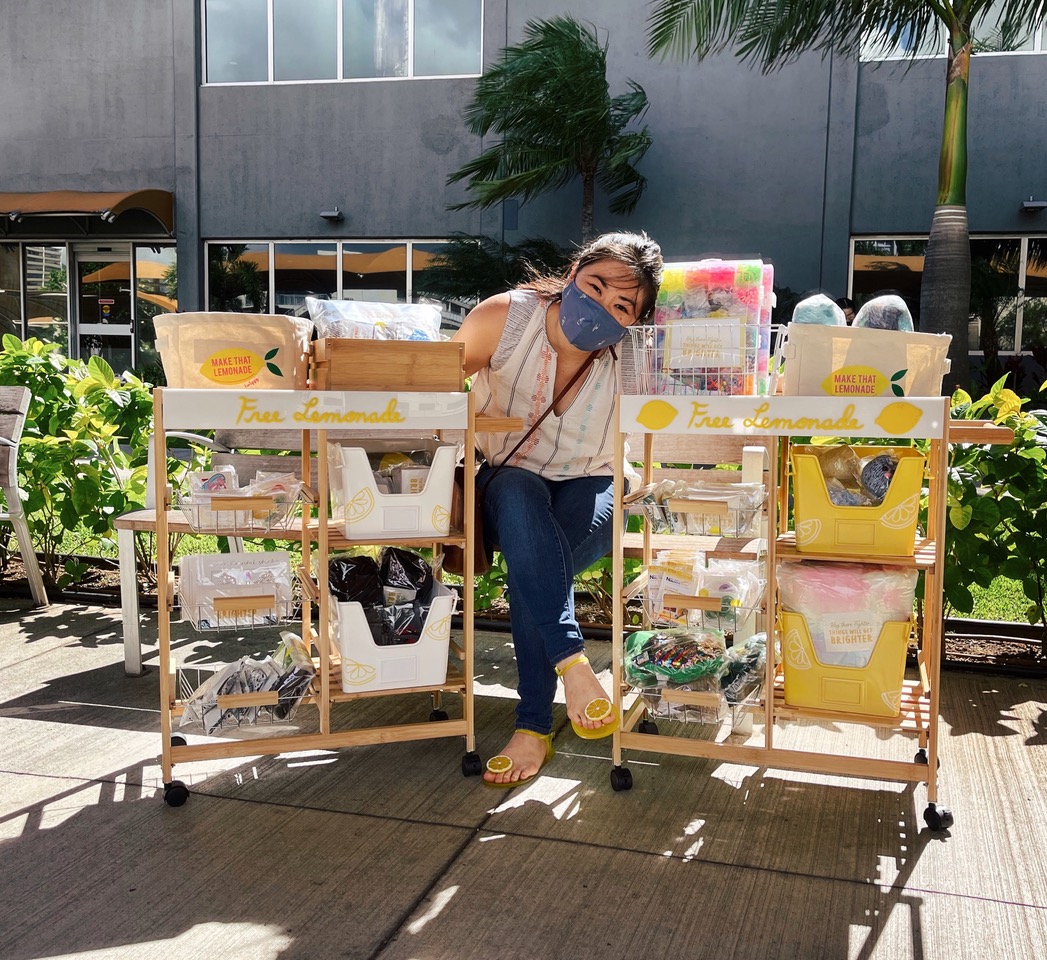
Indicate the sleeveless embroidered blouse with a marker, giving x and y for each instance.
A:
(520, 383)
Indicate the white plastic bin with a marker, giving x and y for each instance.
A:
(362, 511)
(367, 665)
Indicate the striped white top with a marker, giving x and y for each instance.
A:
(519, 383)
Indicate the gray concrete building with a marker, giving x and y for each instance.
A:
(238, 154)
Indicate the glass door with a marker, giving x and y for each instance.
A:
(103, 306)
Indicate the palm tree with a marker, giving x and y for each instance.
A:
(772, 34)
(549, 104)
(470, 269)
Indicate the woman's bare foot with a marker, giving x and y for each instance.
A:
(580, 687)
(527, 753)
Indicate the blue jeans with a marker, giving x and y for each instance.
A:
(547, 530)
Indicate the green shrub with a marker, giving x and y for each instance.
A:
(997, 504)
(82, 460)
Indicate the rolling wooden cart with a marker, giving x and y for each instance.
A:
(785, 417)
(429, 400)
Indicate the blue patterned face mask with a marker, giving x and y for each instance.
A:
(585, 323)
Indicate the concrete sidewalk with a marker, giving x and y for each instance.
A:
(388, 852)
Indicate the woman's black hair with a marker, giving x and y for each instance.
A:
(637, 251)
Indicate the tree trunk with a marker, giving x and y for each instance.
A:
(945, 294)
(588, 190)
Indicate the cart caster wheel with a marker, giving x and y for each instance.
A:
(937, 818)
(648, 726)
(471, 766)
(437, 715)
(621, 779)
(921, 757)
(175, 793)
(177, 740)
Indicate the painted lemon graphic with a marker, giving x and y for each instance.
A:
(795, 654)
(656, 415)
(808, 531)
(899, 418)
(856, 381)
(357, 674)
(598, 709)
(893, 699)
(439, 629)
(232, 366)
(441, 519)
(903, 515)
(359, 506)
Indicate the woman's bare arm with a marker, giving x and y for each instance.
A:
(481, 330)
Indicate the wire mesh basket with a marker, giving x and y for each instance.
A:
(238, 515)
(238, 591)
(229, 696)
(729, 510)
(698, 357)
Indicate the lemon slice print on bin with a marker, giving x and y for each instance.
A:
(359, 506)
(899, 417)
(357, 674)
(807, 531)
(441, 519)
(795, 654)
(656, 415)
(901, 516)
(439, 629)
(893, 699)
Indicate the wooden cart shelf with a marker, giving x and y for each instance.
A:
(439, 410)
(694, 421)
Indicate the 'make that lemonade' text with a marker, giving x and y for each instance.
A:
(309, 414)
(843, 424)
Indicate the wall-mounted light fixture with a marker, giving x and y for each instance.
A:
(1033, 206)
(334, 216)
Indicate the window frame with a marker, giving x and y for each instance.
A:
(340, 65)
(1020, 296)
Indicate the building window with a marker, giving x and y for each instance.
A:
(156, 292)
(246, 277)
(1008, 313)
(46, 273)
(988, 35)
(10, 289)
(259, 41)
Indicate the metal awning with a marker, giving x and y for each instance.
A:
(79, 203)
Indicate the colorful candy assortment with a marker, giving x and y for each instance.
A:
(712, 330)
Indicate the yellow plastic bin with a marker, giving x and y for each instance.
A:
(873, 690)
(886, 530)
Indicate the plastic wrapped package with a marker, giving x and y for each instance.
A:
(887, 312)
(846, 605)
(734, 509)
(210, 585)
(363, 320)
(853, 480)
(686, 662)
(288, 673)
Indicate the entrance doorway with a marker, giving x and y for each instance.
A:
(102, 297)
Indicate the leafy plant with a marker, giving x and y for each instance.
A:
(546, 110)
(997, 505)
(82, 460)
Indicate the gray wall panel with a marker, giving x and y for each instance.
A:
(900, 115)
(88, 95)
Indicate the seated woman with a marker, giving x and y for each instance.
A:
(545, 352)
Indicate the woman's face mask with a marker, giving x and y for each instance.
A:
(585, 323)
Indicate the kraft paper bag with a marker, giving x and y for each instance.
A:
(238, 350)
(863, 362)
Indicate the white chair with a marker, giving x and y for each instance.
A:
(14, 403)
